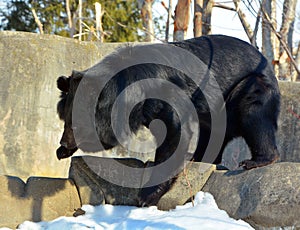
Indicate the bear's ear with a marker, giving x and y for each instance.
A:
(63, 83)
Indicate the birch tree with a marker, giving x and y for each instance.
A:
(168, 21)
(80, 19)
(246, 25)
(202, 17)
(295, 75)
(146, 14)
(206, 16)
(288, 18)
(181, 21)
(198, 10)
(267, 43)
(37, 20)
(99, 28)
(71, 19)
(277, 46)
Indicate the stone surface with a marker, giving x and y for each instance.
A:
(52, 197)
(289, 123)
(264, 197)
(39, 199)
(87, 173)
(188, 183)
(97, 186)
(14, 207)
(30, 129)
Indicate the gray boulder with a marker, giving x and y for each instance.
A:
(188, 183)
(264, 197)
(87, 173)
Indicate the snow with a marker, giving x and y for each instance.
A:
(205, 214)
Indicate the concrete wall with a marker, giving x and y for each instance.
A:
(29, 126)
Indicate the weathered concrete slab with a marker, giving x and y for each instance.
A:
(188, 183)
(97, 186)
(40, 199)
(14, 207)
(86, 172)
(264, 197)
(29, 126)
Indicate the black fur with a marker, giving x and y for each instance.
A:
(63, 83)
(245, 78)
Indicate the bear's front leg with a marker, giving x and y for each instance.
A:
(151, 195)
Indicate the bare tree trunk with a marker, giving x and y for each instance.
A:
(274, 25)
(80, 18)
(289, 54)
(245, 23)
(275, 40)
(146, 13)
(37, 21)
(270, 43)
(198, 9)
(202, 17)
(182, 17)
(296, 76)
(288, 17)
(169, 20)
(70, 20)
(206, 16)
(267, 44)
(99, 29)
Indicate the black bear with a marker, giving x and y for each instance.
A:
(249, 93)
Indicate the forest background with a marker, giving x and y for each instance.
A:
(273, 26)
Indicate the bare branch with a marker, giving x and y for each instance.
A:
(168, 8)
(282, 42)
(37, 20)
(243, 20)
(170, 16)
(219, 5)
(80, 18)
(297, 60)
(256, 27)
(69, 14)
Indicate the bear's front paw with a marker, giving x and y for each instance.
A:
(250, 164)
(62, 152)
(150, 196)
